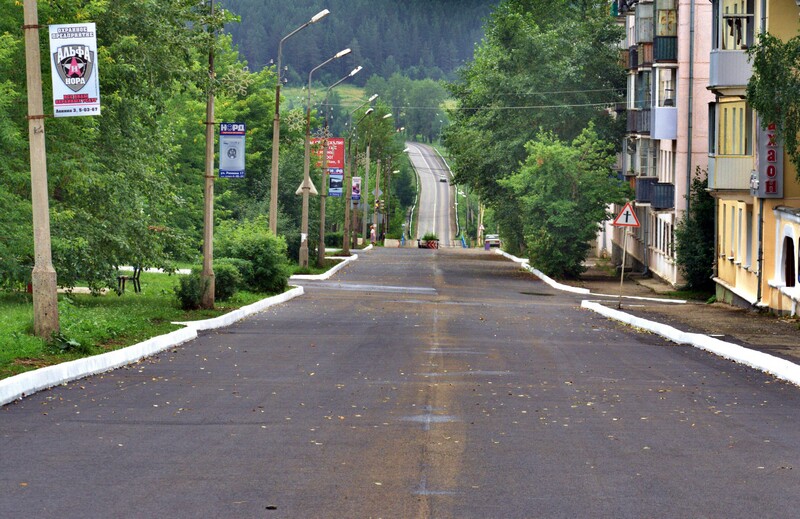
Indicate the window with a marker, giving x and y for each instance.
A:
(644, 23)
(665, 87)
(733, 231)
(733, 24)
(789, 275)
(712, 125)
(723, 230)
(748, 217)
(643, 93)
(735, 129)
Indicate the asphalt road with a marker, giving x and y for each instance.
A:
(415, 383)
(435, 206)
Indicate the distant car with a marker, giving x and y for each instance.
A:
(493, 240)
(442, 179)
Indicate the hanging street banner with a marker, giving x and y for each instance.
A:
(335, 181)
(356, 189)
(231, 150)
(335, 151)
(73, 63)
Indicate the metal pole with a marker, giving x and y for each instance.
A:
(622, 270)
(377, 198)
(348, 192)
(323, 195)
(45, 286)
(208, 201)
(276, 127)
(365, 196)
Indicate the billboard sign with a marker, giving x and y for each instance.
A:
(356, 189)
(767, 180)
(335, 151)
(231, 150)
(73, 66)
(335, 181)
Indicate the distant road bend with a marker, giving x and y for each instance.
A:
(436, 213)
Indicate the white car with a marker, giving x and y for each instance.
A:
(493, 240)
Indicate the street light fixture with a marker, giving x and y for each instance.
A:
(276, 126)
(324, 194)
(307, 187)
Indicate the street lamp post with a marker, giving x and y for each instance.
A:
(366, 189)
(324, 194)
(349, 182)
(276, 127)
(307, 187)
(43, 277)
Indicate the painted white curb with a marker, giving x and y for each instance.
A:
(331, 272)
(24, 384)
(553, 283)
(779, 368)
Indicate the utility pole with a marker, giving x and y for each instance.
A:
(208, 207)
(377, 198)
(45, 286)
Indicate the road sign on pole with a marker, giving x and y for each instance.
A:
(626, 217)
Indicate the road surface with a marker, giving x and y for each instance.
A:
(414, 384)
(435, 199)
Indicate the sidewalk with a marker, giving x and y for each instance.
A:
(778, 336)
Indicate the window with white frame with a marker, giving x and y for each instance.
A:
(665, 86)
(735, 134)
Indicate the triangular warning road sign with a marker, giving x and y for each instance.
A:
(626, 217)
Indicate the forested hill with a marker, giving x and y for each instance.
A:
(419, 38)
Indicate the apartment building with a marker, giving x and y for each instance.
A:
(666, 52)
(750, 176)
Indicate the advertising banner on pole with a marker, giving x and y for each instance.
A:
(231, 150)
(335, 181)
(356, 189)
(335, 151)
(73, 64)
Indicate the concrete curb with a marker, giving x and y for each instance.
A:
(25, 384)
(779, 368)
(331, 272)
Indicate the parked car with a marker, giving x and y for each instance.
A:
(493, 240)
(442, 179)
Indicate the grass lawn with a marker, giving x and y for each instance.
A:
(97, 324)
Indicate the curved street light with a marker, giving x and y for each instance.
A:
(307, 187)
(276, 126)
(324, 194)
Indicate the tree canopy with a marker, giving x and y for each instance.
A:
(544, 65)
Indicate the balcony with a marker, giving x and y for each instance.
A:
(645, 54)
(665, 123)
(729, 71)
(665, 48)
(639, 121)
(730, 172)
(663, 196)
(624, 58)
(644, 189)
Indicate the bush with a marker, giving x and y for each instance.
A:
(334, 239)
(429, 236)
(189, 291)
(227, 280)
(250, 240)
(245, 269)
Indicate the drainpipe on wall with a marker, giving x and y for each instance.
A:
(691, 103)
(761, 200)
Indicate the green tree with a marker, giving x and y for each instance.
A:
(694, 236)
(543, 64)
(563, 191)
(774, 89)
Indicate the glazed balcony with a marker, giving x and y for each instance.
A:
(662, 196)
(730, 172)
(729, 70)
